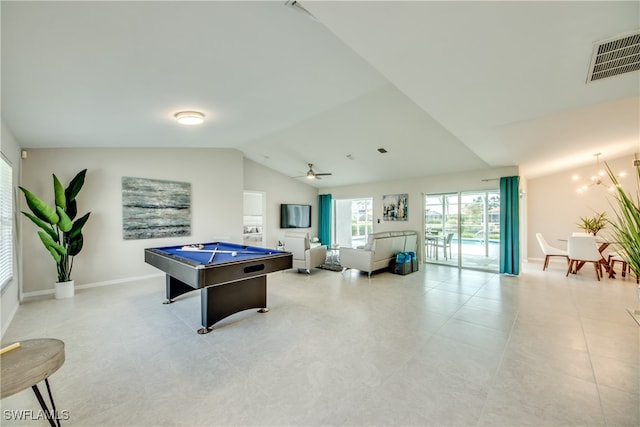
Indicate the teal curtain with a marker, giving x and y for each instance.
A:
(509, 225)
(324, 219)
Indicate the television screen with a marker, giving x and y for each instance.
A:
(295, 216)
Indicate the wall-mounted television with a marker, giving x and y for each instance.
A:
(295, 216)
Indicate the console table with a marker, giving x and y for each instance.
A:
(30, 363)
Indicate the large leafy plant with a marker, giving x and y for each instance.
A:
(626, 224)
(60, 234)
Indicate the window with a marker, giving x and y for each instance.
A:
(6, 222)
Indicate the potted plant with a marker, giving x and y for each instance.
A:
(593, 224)
(60, 234)
(626, 224)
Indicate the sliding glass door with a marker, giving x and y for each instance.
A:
(353, 221)
(480, 230)
(463, 229)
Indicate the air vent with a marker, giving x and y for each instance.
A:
(615, 56)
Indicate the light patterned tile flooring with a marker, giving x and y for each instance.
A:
(439, 347)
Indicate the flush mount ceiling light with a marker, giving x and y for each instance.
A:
(189, 117)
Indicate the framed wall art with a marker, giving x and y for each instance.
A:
(153, 208)
(395, 207)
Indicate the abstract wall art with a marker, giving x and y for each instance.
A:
(395, 207)
(153, 208)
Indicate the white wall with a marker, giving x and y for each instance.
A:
(555, 207)
(280, 188)
(9, 300)
(216, 206)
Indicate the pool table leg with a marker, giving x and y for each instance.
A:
(220, 301)
(175, 288)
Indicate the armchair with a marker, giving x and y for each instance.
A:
(304, 256)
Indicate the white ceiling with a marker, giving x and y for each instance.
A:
(443, 86)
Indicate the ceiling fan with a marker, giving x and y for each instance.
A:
(313, 175)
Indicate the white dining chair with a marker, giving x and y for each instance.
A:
(444, 243)
(549, 251)
(430, 240)
(583, 249)
(626, 268)
(615, 257)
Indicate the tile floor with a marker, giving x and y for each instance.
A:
(439, 347)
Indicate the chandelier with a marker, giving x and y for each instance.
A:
(597, 178)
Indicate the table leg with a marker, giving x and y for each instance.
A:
(608, 268)
(220, 301)
(175, 288)
(604, 261)
(50, 416)
(53, 404)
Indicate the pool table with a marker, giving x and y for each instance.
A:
(231, 277)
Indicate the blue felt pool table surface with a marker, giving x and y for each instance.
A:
(225, 252)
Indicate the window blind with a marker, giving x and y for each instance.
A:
(6, 222)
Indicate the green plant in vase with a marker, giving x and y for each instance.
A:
(60, 234)
(626, 224)
(593, 224)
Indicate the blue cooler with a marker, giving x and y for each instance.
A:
(397, 268)
(403, 263)
(414, 261)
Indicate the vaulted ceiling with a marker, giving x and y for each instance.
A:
(442, 86)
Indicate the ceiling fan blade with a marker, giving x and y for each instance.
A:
(311, 174)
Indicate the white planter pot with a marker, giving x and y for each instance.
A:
(65, 289)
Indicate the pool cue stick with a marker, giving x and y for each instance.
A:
(223, 251)
(10, 347)
(212, 255)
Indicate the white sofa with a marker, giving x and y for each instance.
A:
(380, 249)
(304, 256)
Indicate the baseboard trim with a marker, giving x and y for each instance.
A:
(119, 281)
(94, 285)
(551, 259)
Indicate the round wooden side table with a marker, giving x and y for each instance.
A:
(32, 362)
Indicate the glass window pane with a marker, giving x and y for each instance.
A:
(6, 222)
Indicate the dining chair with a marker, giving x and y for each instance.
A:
(583, 249)
(615, 257)
(626, 268)
(444, 244)
(549, 251)
(430, 238)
